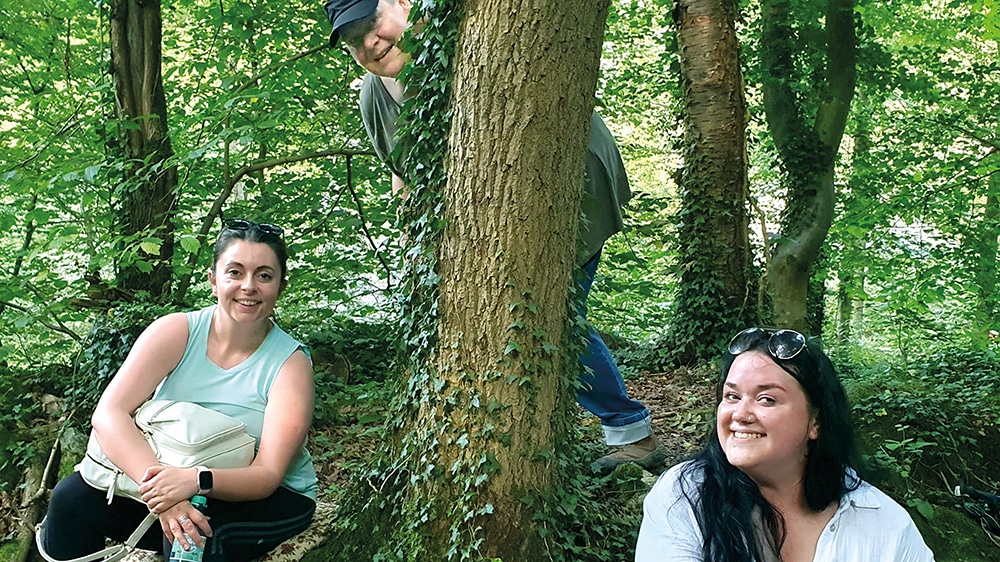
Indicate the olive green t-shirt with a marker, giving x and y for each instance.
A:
(605, 191)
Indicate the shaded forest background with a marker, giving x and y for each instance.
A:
(107, 219)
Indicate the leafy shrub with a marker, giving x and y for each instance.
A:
(927, 418)
(369, 347)
(19, 408)
(104, 350)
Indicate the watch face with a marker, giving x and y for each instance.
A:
(205, 480)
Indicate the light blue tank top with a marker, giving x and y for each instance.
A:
(241, 391)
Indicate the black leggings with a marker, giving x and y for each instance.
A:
(79, 520)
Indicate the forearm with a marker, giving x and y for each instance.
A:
(243, 484)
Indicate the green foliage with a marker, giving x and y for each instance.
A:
(104, 350)
(369, 347)
(903, 408)
(591, 519)
(16, 445)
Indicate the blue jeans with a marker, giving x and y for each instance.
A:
(602, 390)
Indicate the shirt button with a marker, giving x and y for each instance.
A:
(833, 527)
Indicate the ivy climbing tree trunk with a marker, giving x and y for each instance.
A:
(522, 101)
(807, 151)
(715, 293)
(146, 195)
(483, 431)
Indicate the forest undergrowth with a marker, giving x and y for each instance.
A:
(923, 429)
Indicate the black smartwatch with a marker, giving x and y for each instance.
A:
(205, 480)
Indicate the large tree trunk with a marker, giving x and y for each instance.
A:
(483, 427)
(147, 195)
(715, 293)
(524, 79)
(807, 152)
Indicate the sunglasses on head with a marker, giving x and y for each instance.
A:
(782, 344)
(241, 224)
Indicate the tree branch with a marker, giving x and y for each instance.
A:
(841, 52)
(780, 103)
(259, 166)
(269, 69)
(364, 227)
(59, 327)
(66, 127)
(990, 142)
(185, 281)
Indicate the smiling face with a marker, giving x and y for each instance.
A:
(764, 420)
(247, 281)
(373, 41)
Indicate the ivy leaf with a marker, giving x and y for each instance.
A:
(512, 347)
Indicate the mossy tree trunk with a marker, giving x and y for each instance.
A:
(807, 150)
(716, 294)
(146, 195)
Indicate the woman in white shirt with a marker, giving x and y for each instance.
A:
(774, 480)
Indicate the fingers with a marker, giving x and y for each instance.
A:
(186, 532)
(177, 533)
(151, 471)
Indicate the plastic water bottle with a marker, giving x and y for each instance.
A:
(177, 552)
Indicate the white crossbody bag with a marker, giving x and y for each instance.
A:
(182, 434)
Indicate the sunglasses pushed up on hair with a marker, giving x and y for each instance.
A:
(242, 224)
(782, 344)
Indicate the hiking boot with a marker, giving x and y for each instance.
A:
(645, 453)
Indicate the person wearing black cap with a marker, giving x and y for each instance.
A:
(371, 30)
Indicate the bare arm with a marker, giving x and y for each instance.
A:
(398, 187)
(156, 352)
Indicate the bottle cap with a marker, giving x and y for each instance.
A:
(199, 501)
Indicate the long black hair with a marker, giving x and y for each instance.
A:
(728, 504)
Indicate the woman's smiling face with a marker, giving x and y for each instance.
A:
(764, 420)
(247, 281)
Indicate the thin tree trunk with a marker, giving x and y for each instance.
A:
(716, 293)
(986, 269)
(807, 151)
(147, 195)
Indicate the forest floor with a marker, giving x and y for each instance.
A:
(348, 434)
(680, 401)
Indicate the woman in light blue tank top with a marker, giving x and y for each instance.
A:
(230, 357)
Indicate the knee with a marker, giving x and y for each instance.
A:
(67, 493)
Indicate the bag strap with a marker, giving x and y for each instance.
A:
(110, 554)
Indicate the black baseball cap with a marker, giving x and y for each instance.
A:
(343, 12)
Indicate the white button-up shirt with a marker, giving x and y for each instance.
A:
(868, 526)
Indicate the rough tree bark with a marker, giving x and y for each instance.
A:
(524, 80)
(715, 296)
(147, 195)
(807, 151)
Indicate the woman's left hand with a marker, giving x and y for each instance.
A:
(183, 522)
(162, 487)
